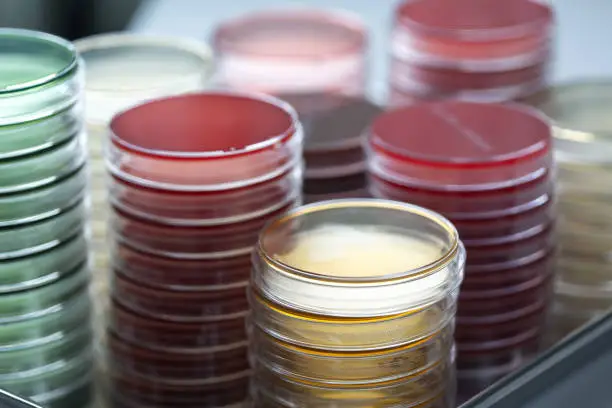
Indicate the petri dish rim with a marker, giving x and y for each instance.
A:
(337, 18)
(376, 144)
(65, 47)
(410, 209)
(537, 26)
(118, 41)
(272, 141)
(564, 91)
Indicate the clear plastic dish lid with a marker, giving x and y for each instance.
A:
(38, 75)
(460, 146)
(580, 112)
(358, 257)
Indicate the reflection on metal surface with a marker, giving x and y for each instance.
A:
(12, 401)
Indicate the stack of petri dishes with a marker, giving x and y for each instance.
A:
(316, 61)
(583, 149)
(476, 50)
(335, 163)
(353, 304)
(487, 168)
(121, 71)
(296, 51)
(193, 180)
(45, 333)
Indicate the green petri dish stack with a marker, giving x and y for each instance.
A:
(45, 333)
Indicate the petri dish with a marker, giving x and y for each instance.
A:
(57, 377)
(129, 390)
(334, 125)
(39, 77)
(474, 303)
(292, 50)
(176, 365)
(43, 202)
(205, 208)
(56, 323)
(43, 268)
(355, 368)
(23, 139)
(158, 334)
(186, 242)
(144, 147)
(80, 393)
(42, 168)
(188, 306)
(22, 361)
(335, 185)
(36, 302)
(423, 82)
(123, 70)
(33, 238)
(280, 265)
(582, 128)
(585, 277)
(180, 274)
(461, 146)
(469, 205)
(351, 334)
(514, 273)
(473, 35)
(529, 243)
(410, 391)
(499, 327)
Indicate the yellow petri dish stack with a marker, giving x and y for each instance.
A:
(580, 112)
(353, 304)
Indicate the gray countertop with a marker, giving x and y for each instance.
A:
(583, 40)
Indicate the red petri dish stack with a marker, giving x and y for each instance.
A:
(316, 61)
(335, 127)
(192, 181)
(293, 51)
(487, 168)
(474, 50)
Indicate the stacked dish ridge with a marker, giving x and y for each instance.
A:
(488, 168)
(121, 71)
(45, 336)
(193, 180)
(583, 150)
(477, 50)
(316, 61)
(353, 305)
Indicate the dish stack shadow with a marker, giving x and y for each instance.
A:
(122, 70)
(487, 168)
(45, 333)
(583, 149)
(193, 180)
(475, 50)
(316, 61)
(353, 305)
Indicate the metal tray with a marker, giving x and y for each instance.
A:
(8, 400)
(575, 373)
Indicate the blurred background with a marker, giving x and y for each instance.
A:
(69, 18)
(581, 42)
